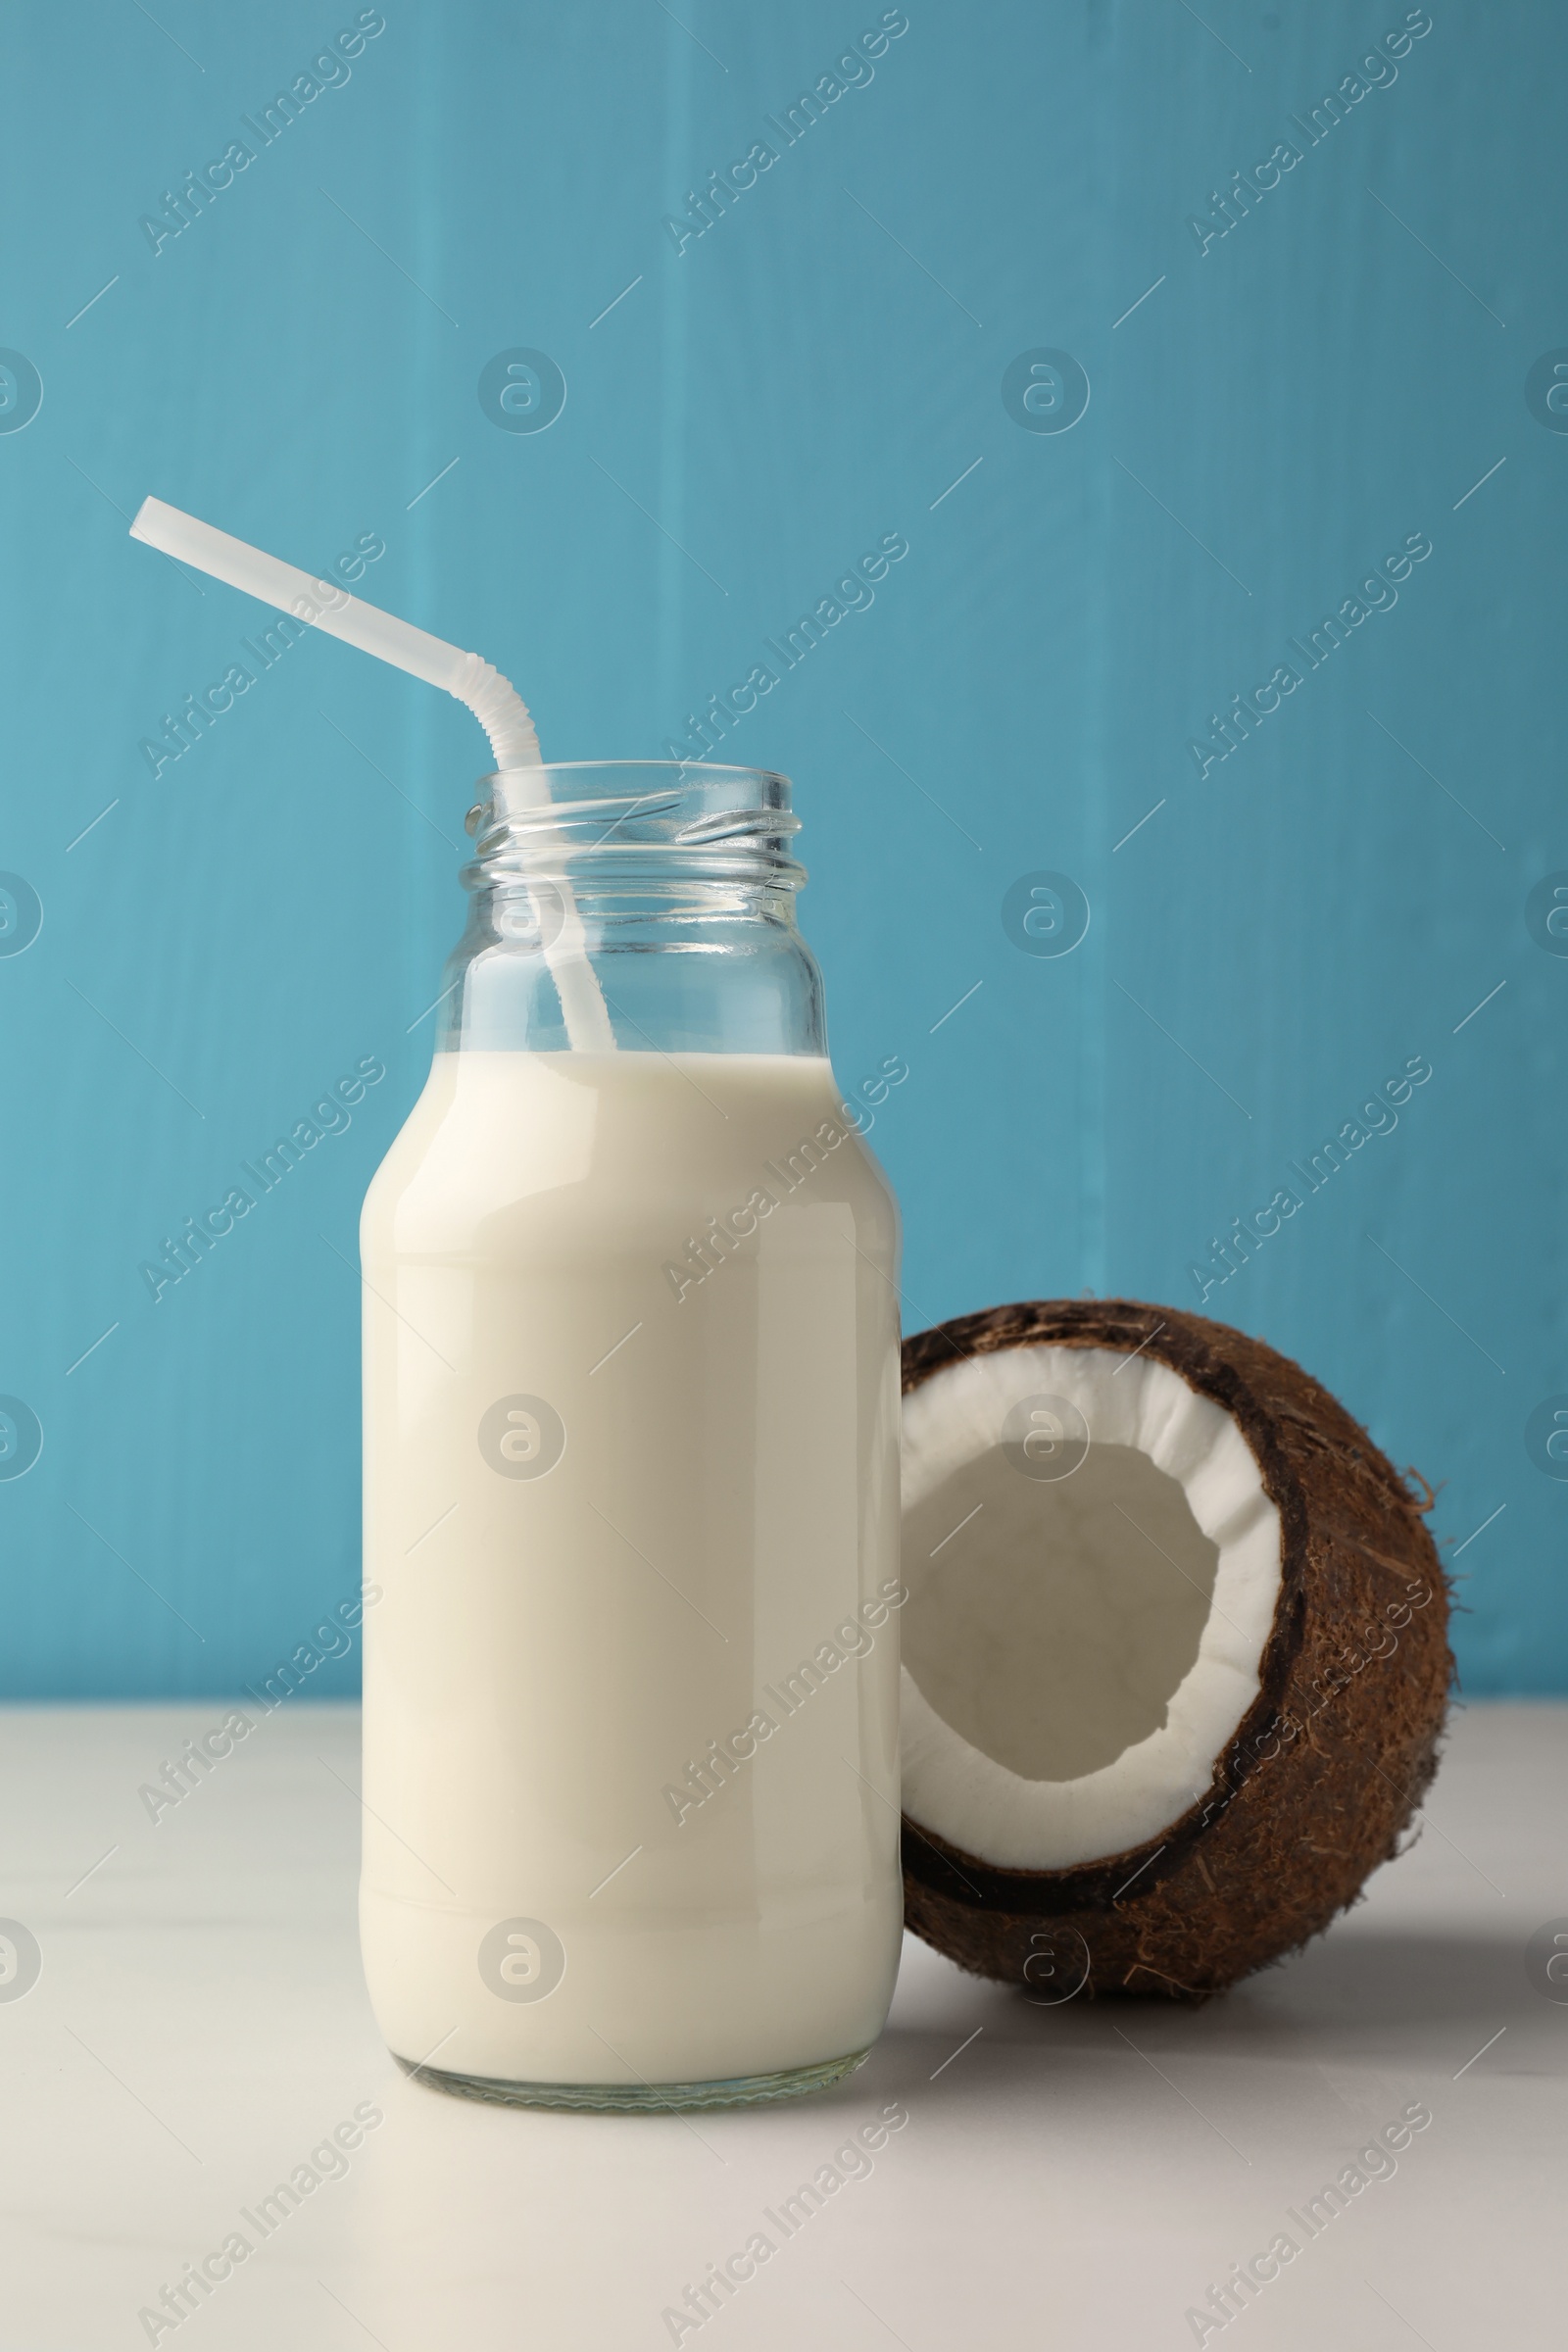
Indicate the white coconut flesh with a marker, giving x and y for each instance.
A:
(1078, 1649)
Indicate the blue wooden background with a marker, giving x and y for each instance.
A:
(1351, 351)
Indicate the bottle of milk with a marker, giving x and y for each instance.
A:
(631, 1406)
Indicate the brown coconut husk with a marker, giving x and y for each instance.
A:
(1326, 1770)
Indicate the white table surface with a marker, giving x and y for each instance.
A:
(1076, 2176)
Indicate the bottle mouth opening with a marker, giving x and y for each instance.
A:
(662, 817)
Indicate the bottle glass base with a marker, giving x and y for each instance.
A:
(643, 2098)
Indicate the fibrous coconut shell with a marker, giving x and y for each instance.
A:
(1323, 1773)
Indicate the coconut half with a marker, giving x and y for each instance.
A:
(1175, 1648)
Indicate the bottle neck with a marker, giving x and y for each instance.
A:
(641, 907)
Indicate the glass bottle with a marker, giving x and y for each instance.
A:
(631, 1410)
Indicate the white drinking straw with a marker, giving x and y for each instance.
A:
(495, 704)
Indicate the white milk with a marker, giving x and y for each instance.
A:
(697, 1499)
